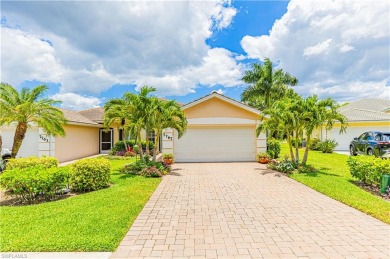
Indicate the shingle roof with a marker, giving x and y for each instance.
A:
(370, 104)
(370, 109)
(94, 114)
(365, 115)
(75, 117)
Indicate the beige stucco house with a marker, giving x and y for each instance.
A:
(371, 114)
(220, 129)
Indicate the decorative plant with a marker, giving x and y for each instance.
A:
(263, 158)
(167, 158)
(263, 155)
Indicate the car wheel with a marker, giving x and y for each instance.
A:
(352, 151)
(369, 152)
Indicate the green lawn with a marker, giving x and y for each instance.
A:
(335, 181)
(95, 221)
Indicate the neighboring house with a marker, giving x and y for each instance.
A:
(363, 115)
(84, 137)
(220, 129)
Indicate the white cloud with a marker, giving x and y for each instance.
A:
(146, 42)
(319, 48)
(74, 101)
(220, 91)
(333, 48)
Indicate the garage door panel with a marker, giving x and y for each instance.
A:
(216, 145)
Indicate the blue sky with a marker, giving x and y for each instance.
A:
(88, 52)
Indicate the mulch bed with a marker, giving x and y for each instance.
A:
(374, 190)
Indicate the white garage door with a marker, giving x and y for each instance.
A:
(216, 144)
(352, 132)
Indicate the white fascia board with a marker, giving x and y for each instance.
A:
(224, 98)
(221, 121)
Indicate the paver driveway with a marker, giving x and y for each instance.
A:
(242, 210)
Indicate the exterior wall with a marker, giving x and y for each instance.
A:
(216, 107)
(167, 141)
(29, 145)
(79, 142)
(353, 130)
(46, 145)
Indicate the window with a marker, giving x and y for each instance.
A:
(361, 137)
(151, 136)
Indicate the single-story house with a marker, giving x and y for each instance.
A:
(220, 129)
(363, 115)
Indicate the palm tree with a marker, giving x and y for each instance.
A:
(318, 113)
(27, 107)
(280, 118)
(167, 114)
(266, 84)
(133, 112)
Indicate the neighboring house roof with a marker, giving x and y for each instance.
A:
(370, 109)
(371, 104)
(365, 115)
(222, 97)
(74, 117)
(94, 114)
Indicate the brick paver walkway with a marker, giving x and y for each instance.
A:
(242, 210)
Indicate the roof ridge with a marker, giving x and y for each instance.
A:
(366, 110)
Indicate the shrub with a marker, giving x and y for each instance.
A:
(306, 169)
(286, 167)
(20, 163)
(368, 169)
(130, 153)
(120, 145)
(328, 146)
(28, 184)
(313, 144)
(146, 168)
(151, 171)
(90, 174)
(273, 148)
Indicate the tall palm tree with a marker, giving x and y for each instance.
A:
(266, 84)
(133, 111)
(27, 107)
(318, 113)
(167, 114)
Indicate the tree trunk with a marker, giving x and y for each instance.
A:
(20, 132)
(156, 140)
(1, 143)
(297, 146)
(290, 146)
(147, 143)
(304, 160)
(141, 152)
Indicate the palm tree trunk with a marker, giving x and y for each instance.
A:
(304, 160)
(156, 140)
(290, 146)
(141, 152)
(1, 143)
(20, 132)
(297, 146)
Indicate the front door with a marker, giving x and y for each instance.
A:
(106, 139)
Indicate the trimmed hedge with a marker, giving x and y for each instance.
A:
(28, 162)
(28, 184)
(90, 174)
(368, 169)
